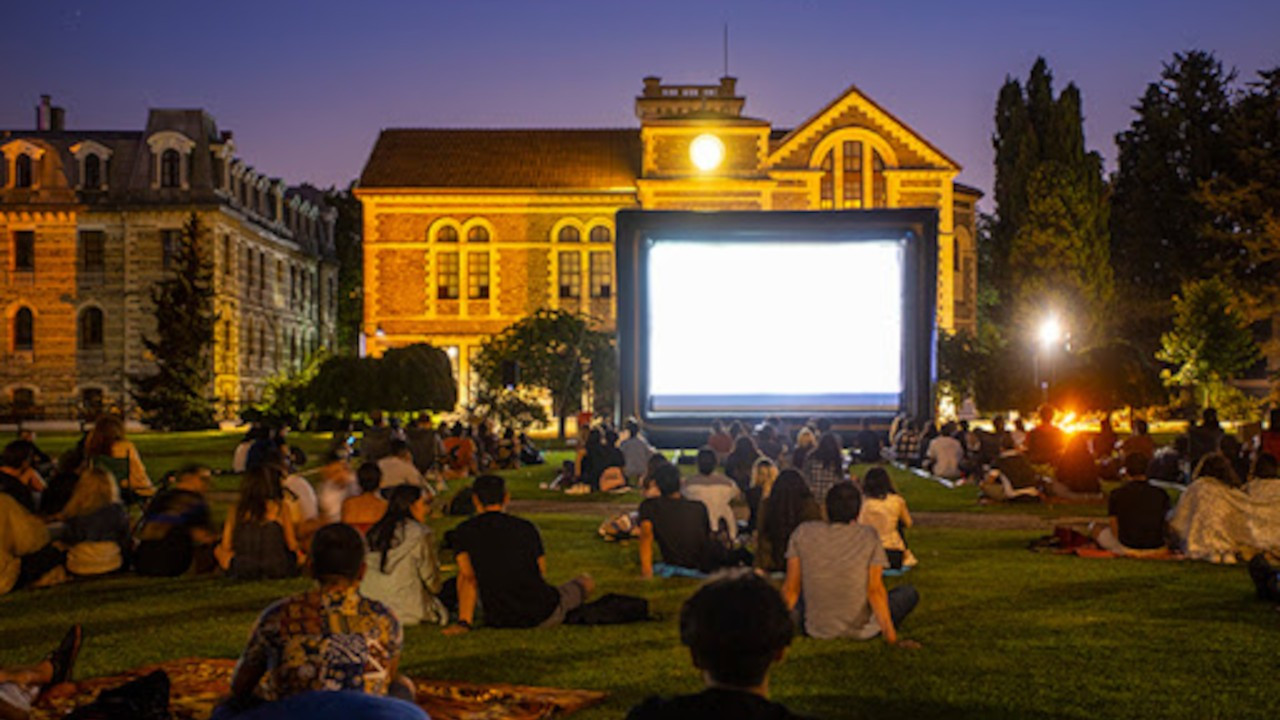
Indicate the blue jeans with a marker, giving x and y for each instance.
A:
(902, 600)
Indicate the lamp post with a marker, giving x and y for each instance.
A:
(1050, 334)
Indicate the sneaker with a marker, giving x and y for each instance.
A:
(63, 659)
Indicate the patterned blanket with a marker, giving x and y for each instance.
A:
(197, 684)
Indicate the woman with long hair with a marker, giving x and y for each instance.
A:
(97, 526)
(258, 539)
(763, 474)
(739, 463)
(789, 503)
(886, 511)
(402, 570)
(106, 447)
(824, 467)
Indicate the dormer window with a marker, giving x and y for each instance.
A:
(22, 175)
(170, 169)
(92, 172)
(171, 153)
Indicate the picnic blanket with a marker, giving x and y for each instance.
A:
(197, 684)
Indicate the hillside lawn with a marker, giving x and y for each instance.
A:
(1006, 632)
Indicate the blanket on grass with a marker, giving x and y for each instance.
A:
(1216, 522)
(197, 684)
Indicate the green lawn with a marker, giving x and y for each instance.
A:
(1006, 633)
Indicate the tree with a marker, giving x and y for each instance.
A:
(347, 236)
(1049, 238)
(177, 395)
(1210, 342)
(404, 380)
(557, 352)
(1159, 230)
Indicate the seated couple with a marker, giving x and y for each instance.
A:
(682, 529)
(502, 566)
(834, 576)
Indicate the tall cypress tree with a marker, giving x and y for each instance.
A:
(1050, 230)
(177, 395)
(348, 231)
(1160, 233)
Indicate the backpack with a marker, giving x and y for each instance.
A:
(462, 504)
(612, 609)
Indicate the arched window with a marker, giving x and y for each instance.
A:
(92, 172)
(478, 234)
(853, 173)
(24, 329)
(24, 398)
(600, 234)
(22, 171)
(91, 329)
(851, 155)
(170, 169)
(827, 185)
(879, 191)
(448, 234)
(569, 233)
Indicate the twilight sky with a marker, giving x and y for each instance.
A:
(306, 86)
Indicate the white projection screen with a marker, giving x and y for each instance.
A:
(741, 314)
(766, 326)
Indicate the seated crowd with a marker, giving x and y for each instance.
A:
(813, 539)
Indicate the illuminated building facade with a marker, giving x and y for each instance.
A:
(88, 221)
(467, 231)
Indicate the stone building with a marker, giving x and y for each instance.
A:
(467, 231)
(88, 220)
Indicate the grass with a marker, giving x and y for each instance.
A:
(1006, 633)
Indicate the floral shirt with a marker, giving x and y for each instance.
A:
(324, 640)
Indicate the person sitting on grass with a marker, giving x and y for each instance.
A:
(868, 443)
(945, 454)
(107, 447)
(1075, 475)
(337, 485)
(682, 530)
(764, 473)
(806, 441)
(739, 463)
(18, 476)
(26, 555)
(1264, 482)
(403, 572)
(790, 503)
(714, 490)
(836, 567)
(1140, 441)
(1136, 513)
(96, 526)
(459, 454)
(1011, 475)
(720, 441)
(176, 528)
(502, 563)
(258, 539)
(367, 508)
(398, 469)
(824, 467)
(21, 685)
(507, 456)
(906, 444)
(330, 641)
(1046, 441)
(736, 628)
(635, 452)
(886, 511)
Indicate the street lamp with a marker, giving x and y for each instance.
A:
(1050, 334)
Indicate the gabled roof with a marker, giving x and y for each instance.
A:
(543, 159)
(853, 97)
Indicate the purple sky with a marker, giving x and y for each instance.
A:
(306, 86)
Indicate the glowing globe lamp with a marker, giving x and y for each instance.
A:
(707, 152)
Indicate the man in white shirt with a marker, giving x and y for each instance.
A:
(715, 490)
(398, 468)
(945, 454)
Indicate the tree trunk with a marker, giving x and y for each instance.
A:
(563, 420)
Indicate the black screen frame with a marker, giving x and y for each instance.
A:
(915, 227)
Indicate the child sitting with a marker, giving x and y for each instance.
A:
(885, 510)
(566, 477)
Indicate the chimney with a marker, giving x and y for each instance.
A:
(44, 113)
(48, 117)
